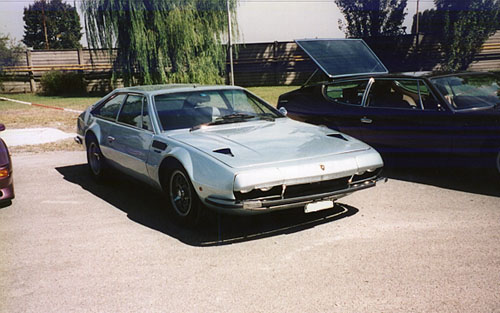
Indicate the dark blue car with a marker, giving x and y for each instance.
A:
(420, 116)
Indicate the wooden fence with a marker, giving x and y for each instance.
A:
(277, 63)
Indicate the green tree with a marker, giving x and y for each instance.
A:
(51, 25)
(461, 27)
(161, 41)
(9, 51)
(365, 18)
(9, 54)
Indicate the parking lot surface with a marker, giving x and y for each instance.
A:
(422, 242)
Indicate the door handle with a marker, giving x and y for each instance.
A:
(366, 120)
(111, 139)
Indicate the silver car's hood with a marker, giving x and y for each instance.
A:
(256, 143)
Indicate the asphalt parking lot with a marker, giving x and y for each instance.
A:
(422, 242)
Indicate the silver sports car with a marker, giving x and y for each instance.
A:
(223, 148)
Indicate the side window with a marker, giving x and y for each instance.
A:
(146, 119)
(394, 94)
(428, 99)
(131, 112)
(110, 109)
(347, 92)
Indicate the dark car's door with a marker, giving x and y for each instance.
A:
(403, 115)
(344, 106)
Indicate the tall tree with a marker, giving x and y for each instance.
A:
(51, 25)
(161, 41)
(461, 27)
(9, 51)
(365, 18)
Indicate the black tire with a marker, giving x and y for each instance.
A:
(496, 163)
(96, 161)
(184, 202)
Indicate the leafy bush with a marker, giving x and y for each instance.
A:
(57, 83)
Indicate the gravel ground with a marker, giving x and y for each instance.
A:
(418, 243)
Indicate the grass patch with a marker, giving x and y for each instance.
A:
(61, 145)
(271, 93)
(76, 103)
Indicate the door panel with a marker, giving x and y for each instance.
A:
(131, 147)
(130, 138)
(395, 119)
(345, 106)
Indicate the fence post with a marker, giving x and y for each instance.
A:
(80, 60)
(275, 61)
(30, 71)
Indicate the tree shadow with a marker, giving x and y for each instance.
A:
(147, 207)
(444, 173)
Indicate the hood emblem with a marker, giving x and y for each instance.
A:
(322, 167)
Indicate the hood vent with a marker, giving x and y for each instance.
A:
(339, 136)
(225, 151)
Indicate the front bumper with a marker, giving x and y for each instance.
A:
(78, 139)
(263, 205)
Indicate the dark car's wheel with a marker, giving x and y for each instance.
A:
(96, 161)
(184, 201)
(497, 163)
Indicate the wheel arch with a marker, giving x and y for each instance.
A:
(178, 158)
(93, 132)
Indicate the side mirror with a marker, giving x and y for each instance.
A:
(283, 111)
(2, 127)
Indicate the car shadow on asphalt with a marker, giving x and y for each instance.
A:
(449, 176)
(147, 207)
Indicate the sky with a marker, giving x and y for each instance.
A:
(258, 20)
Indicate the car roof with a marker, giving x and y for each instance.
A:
(424, 74)
(171, 88)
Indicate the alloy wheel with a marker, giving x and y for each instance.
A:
(180, 193)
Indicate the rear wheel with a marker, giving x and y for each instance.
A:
(96, 161)
(497, 163)
(186, 205)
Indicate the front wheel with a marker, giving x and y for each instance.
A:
(183, 198)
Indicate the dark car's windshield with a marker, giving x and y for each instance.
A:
(210, 107)
(467, 91)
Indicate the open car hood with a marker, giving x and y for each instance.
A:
(257, 143)
(342, 57)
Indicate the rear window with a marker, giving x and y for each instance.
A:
(110, 108)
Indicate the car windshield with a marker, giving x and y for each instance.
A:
(468, 91)
(210, 107)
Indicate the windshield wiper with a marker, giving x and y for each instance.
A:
(226, 119)
(267, 116)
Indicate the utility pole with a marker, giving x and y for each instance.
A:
(44, 23)
(417, 30)
(230, 44)
(418, 18)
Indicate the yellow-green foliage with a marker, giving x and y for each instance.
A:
(161, 41)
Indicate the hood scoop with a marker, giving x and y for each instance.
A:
(225, 151)
(338, 136)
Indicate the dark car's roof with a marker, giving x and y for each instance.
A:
(342, 57)
(424, 74)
